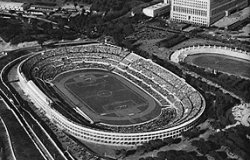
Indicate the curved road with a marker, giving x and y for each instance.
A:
(14, 104)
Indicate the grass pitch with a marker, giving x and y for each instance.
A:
(107, 98)
(228, 64)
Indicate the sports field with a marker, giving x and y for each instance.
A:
(228, 64)
(106, 97)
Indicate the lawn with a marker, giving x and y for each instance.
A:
(106, 97)
(222, 63)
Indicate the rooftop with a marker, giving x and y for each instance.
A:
(11, 3)
(158, 5)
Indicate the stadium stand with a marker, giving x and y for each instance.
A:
(181, 105)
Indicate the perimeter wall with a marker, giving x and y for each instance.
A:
(181, 54)
(93, 135)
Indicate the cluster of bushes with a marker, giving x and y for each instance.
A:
(172, 40)
(106, 21)
(115, 5)
(92, 25)
(193, 133)
(204, 147)
(149, 146)
(18, 29)
(231, 83)
(79, 1)
(218, 103)
(10, 28)
(176, 155)
(95, 26)
(235, 139)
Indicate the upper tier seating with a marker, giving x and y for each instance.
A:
(179, 101)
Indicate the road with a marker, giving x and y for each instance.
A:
(6, 146)
(30, 138)
(14, 126)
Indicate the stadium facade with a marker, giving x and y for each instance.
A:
(16, 6)
(204, 12)
(169, 90)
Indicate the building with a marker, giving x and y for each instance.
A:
(43, 7)
(166, 1)
(221, 8)
(16, 6)
(157, 9)
(204, 12)
(189, 108)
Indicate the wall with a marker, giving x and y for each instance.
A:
(180, 54)
(98, 136)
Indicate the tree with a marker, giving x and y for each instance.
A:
(168, 140)
(201, 157)
(156, 143)
(140, 149)
(215, 155)
(40, 41)
(202, 147)
(149, 158)
(177, 140)
(12, 11)
(161, 154)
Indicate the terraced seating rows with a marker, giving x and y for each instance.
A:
(160, 122)
(163, 85)
(178, 87)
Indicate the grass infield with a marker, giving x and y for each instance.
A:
(106, 97)
(228, 64)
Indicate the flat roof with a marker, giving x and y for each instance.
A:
(11, 3)
(157, 6)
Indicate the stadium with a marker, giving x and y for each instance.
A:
(105, 94)
(219, 58)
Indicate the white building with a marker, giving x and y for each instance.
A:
(11, 6)
(221, 8)
(166, 1)
(186, 118)
(157, 9)
(203, 12)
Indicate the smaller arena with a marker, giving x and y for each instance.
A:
(224, 59)
(224, 63)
